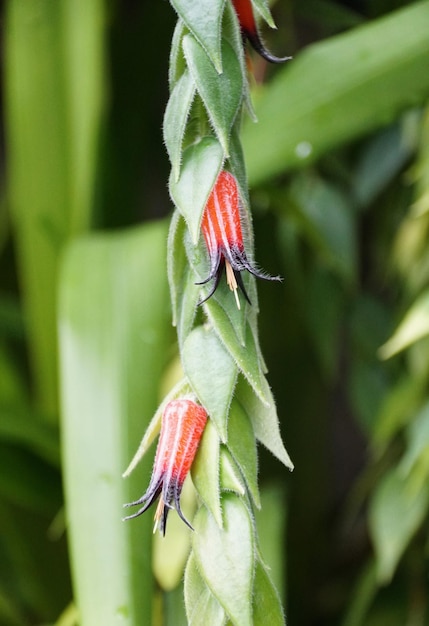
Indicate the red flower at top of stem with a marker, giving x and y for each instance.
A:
(223, 234)
(183, 423)
(249, 30)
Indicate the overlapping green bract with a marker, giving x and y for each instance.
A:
(219, 346)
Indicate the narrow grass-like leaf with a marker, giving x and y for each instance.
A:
(84, 26)
(396, 512)
(340, 89)
(114, 331)
(413, 327)
(224, 557)
(176, 115)
(264, 419)
(201, 165)
(221, 93)
(210, 368)
(205, 471)
(202, 608)
(38, 185)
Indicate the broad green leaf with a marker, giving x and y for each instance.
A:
(176, 115)
(230, 476)
(203, 18)
(396, 512)
(266, 603)
(242, 445)
(224, 557)
(114, 333)
(413, 327)
(210, 369)
(202, 608)
(264, 419)
(201, 165)
(205, 471)
(221, 93)
(338, 90)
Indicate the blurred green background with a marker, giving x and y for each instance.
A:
(339, 175)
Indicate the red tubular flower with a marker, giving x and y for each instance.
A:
(221, 226)
(183, 423)
(249, 30)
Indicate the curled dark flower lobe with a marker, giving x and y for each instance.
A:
(222, 230)
(249, 30)
(183, 423)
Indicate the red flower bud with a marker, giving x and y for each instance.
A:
(249, 30)
(222, 230)
(183, 423)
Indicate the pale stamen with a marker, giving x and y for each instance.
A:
(159, 511)
(231, 280)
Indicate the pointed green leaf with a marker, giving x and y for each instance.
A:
(202, 608)
(205, 471)
(266, 602)
(203, 18)
(264, 420)
(201, 165)
(396, 512)
(230, 477)
(212, 374)
(177, 63)
(413, 327)
(184, 293)
(242, 445)
(176, 115)
(221, 93)
(264, 11)
(224, 557)
(338, 90)
(246, 356)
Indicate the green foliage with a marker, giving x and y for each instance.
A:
(339, 170)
